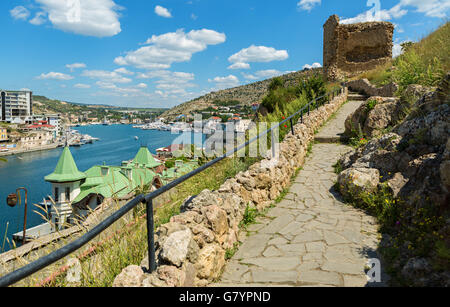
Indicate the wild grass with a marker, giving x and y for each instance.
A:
(424, 62)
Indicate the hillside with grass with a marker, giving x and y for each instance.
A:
(44, 105)
(245, 95)
(424, 63)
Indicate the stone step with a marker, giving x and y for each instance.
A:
(356, 97)
(331, 139)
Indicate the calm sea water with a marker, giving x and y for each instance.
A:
(117, 143)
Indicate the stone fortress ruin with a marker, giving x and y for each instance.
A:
(351, 49)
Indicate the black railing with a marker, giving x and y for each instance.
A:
(45, 261)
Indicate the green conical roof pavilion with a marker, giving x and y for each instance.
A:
(66, 170)
(145, 158)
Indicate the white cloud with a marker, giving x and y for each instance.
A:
(82, 86)
(170, 84)
(114, 90)
(239, 66)
(55, 76)
(74, 66)
(20, 12)
(85, 17)
(124, 71)
(377, 15)
(225, 82)
(308, 5)
(38, 19)
(106, 76)
(396, 50)
(162, 11)
(314, 65)
(431, 8)
(263, 74)
(258, 54)
(169, 48)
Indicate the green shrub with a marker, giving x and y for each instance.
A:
(249, 218)
(411, 69)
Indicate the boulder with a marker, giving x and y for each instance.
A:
(354, 181)
(397, 183)
(416, 268)
(210, 262)
(175, 248)
(217, 219)
(172, 276)
(376, 114)
(131, 276)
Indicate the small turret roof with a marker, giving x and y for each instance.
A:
(66, 170)
(145, 158)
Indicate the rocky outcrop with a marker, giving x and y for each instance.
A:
(413, 163)
(376, 114)
(364, 86)
(191, 248)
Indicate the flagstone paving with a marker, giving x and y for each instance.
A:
(310, 238)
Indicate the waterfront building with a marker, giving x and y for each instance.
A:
(169, 151)
(55, 121)
(36, 138)
(66, 183)
(76, 194)
(16, 107)
(3, 134)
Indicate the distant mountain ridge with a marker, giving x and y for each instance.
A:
(246, 94)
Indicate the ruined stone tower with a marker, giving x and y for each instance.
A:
(350, 49)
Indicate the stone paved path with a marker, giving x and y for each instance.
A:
(310, 238)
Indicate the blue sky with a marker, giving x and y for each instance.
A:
(146, 53)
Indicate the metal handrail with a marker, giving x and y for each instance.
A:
(51, 258)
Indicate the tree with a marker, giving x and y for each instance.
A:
(275, 84)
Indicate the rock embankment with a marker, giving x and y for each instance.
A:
(364, 86)
(413, 162)
(191, 248)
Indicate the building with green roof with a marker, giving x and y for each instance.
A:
(66, 170)
(76, 193)
(66, 180)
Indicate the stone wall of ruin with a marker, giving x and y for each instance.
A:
(351, 49)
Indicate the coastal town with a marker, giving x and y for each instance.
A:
(75, 194)
(22, 129)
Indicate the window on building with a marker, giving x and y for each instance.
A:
(56, 195)
(68, 194)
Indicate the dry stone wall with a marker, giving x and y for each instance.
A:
(350, 49)
(191, 248)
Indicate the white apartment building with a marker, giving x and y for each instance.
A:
(51, 119)
(16, 106)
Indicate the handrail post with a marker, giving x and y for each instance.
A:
(150, 236)
(292, 127)
(272, 135)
